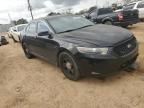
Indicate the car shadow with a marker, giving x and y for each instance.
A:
(120, 76)
(131, 28)
(99, 80)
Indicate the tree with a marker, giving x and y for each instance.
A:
(81, 12)
(20, 21)
(53, 13)
(86, 10)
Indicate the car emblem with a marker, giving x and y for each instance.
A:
(129, 46)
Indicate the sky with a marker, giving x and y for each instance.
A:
(15, 9)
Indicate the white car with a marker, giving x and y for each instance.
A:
(137, 5)
(14, 32)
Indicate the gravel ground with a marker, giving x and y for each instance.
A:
(36, 84)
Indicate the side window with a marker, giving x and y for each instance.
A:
(140, 5)
(42, 27)
(105, 11)
(31, 29)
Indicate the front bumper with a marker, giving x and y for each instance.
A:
(104, 66)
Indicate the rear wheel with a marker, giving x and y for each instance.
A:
(108, 23)
(69, 66)
(27, 52)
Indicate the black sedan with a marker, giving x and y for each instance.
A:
(79, 47)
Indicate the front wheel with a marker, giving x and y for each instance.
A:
(108, 23)
(68, 66)
(27, 52)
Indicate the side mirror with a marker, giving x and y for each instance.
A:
(46, 33)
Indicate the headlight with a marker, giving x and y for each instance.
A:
(101, 51)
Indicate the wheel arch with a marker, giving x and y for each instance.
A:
(107, 19)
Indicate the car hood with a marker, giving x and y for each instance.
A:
(100, 35)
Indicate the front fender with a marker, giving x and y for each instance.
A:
(70, 47)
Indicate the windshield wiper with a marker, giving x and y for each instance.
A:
(84, 26)
(76, 29)
(67, 31)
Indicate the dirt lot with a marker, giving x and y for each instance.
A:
(36, 84)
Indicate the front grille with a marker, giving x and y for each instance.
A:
(125, 47)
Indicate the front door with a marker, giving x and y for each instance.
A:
(47, 47)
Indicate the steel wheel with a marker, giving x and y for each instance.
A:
(69, 66)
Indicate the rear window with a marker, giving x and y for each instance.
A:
(104, 11)
(130, 6)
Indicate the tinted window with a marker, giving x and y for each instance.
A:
(31, 28)
(42, 27)
(140, 5)
(130, 6)
(104, 11)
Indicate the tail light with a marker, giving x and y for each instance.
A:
(120, 16)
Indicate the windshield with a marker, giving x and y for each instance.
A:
(69, 23)
(20, 28)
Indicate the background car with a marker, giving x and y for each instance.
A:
(14, 32)
(3, 40)
(136, 5)
(79, 47)
(107, 16)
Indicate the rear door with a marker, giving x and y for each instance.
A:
(104, 13)
(46, 46)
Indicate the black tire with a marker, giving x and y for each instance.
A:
(27, 52)
(108, 23)
(125, 26)
(68, 66)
